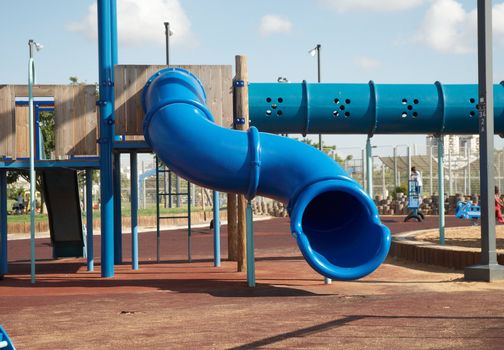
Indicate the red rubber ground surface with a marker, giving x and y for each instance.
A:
(177, 305)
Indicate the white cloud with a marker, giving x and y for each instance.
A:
(141, 21)
(449, 28)
(366, 62)
(271, 24)
(372, 5)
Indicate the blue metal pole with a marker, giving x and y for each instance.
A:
(441, 190)
(216, 221)
(31, 81)
(106, 137)
(89, 219)
(117, 157)
(4, 261)
(113, 34)
(250, 247)
(134, 210)
(117, 210)
(369, 167)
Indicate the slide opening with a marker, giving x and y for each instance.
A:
(338, 227)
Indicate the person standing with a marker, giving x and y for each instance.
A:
(498, 206)
(417, 176)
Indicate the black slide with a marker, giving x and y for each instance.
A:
(61, 192)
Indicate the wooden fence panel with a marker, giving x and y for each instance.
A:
(130, 80)
(7, 121)
(75, 120)
(22, 132)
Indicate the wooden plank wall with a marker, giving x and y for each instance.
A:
(130, 80)
(7, 121)
(76, 120)
(22, 132)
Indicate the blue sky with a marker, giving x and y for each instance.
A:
(401, 41)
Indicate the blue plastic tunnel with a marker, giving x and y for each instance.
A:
(334, 221)
(370, 108)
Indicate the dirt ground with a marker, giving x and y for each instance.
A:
(462, 236)
(181, 305)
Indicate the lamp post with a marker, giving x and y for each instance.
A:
(488, 270)
(168, 34)
(316, 52)
(32, 45)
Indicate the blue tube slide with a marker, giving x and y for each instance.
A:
(369, 108)
(334, 221)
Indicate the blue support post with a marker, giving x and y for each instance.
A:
(216, 221)
(134, 210)
(441, 190)
(117, 210)
(4, 261)
(89, 220)
(32, 204)
(113, 34)
(106, 104)
(369, 167)
(251, 279)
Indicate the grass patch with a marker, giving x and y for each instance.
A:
(126, 212)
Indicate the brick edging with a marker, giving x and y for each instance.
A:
(432, 254)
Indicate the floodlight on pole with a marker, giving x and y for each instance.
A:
(316, 52)
(168, 34)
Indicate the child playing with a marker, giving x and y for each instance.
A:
(498, 205)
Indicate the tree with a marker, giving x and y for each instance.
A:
(329, 150)
(74, 81)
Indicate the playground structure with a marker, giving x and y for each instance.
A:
(305, 108)
(5, 341)
(469, 211)
(414, 201)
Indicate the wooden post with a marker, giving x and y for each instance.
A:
(232, 227)
(241, 109)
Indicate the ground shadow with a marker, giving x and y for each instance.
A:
(322, 327)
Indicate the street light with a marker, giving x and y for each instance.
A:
(316, 52)
(32, 45)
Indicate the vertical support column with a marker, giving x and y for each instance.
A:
(363, 166)
(469, 186)
(33, 202)
(441, 189)
(4, 260)
(177, 190)
(369, 167)
(189, 230)
(106, 136)
(158, 214)
(134, 210)
(430, 169)
(251, 278)
(241, 122)
(450, 173)
(384, 186)
(466, 154)
(117, 210)
(488, 270)
(216, 221)
(408, 171)
(395, 167)
(89, 220)
(232, 227)
(169, 190)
